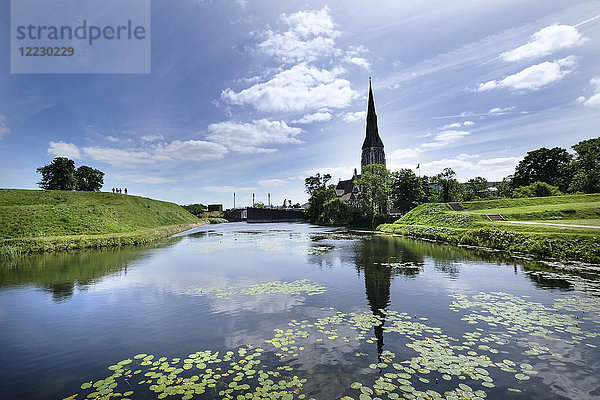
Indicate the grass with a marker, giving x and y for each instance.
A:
(47, 220)
(438, 222)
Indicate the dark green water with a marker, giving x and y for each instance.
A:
(357, 315)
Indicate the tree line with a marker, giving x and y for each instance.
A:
(542, 172)
(61, 174)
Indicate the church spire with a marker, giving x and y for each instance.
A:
(372, 148)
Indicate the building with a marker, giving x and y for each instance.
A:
(372, 153)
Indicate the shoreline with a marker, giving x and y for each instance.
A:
(533, 244)
(48, 244)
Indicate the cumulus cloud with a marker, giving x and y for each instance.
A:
(62, 149)
(189, 150)
(252, 137)
(360, 61)
(458, 125)
(310, 35)
(534, 77)
(493, 169)
(500, 111)
(444, 138)
(403, 154)
(546, 41)
(3, 127)
(320, 116)
(355, 116)
(144, 179)
(299, 88)
(593, 100)
(271, 182)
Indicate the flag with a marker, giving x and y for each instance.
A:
(418, 165)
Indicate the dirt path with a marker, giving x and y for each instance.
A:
(551, 224)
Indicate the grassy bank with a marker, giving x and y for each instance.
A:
(471, 227)
(46, 220)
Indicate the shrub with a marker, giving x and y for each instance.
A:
(536, 189)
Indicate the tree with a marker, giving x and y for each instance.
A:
(58, 175)
(505, 188)
(476, 188)
(586, 167)
(407, 191)
(259, 204)
(537, 189)
(316, 182)
(88, 179)
(335, 212)
(449, 186)
(552, 166)
(375, 188)
(197, 209)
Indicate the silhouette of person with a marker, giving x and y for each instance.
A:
(125, 190)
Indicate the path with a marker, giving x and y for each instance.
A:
(551, 224)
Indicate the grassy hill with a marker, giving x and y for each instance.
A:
(38, 220)
(471, 227)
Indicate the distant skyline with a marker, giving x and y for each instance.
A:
(254, 96)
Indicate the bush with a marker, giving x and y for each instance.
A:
(537, 189)
(335, 212)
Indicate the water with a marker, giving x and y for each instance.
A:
(406, 316)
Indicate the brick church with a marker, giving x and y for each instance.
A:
(372, 153)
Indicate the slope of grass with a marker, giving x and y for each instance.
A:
(45, 220)
(439, 222)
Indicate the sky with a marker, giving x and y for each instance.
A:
(252, 96)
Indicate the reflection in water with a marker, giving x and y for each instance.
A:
(61, 273)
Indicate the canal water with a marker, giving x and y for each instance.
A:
(295, 311)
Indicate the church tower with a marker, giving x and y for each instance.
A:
(372, 148)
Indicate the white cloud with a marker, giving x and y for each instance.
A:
(189, 150)
(310, 36)
(403, 154)
(500, 111)
(592, 101)
(319, 116)
(299, 88)
(534, 77)
(3, 127)
(355, 116)
(251, 137)
(152, 138)
(444, 138)
(271, 182)
(62, 149)
(546, 41)
(492, 169)
(458, 125)
(468, 123)
(360, 61)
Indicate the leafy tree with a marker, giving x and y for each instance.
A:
(375, 188)
(449, 186)
(552, 166)
(313, 183)
(586, 167)
(196, 209)
(58, 175)
(88, 179)
(316, 202)
(335, 212)
(505, 188)
(259, 204)
(408, 191)
(476, 188)
(537, 189)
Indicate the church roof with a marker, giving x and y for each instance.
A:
(372, 138)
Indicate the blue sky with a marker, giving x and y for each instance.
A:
(254, 96)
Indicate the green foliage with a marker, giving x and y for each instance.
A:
(88, 179)
(316, 203)
(259, 204)
(408, 190)
(476, 188)
(438, 214)
(375, 188)
(536, 189)
(313, 183)
(58, 175)
(586, 167)
(505, 188)
(552, 166)
(335, 212)
(35, 213)
(450, 189)
(197, 209)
